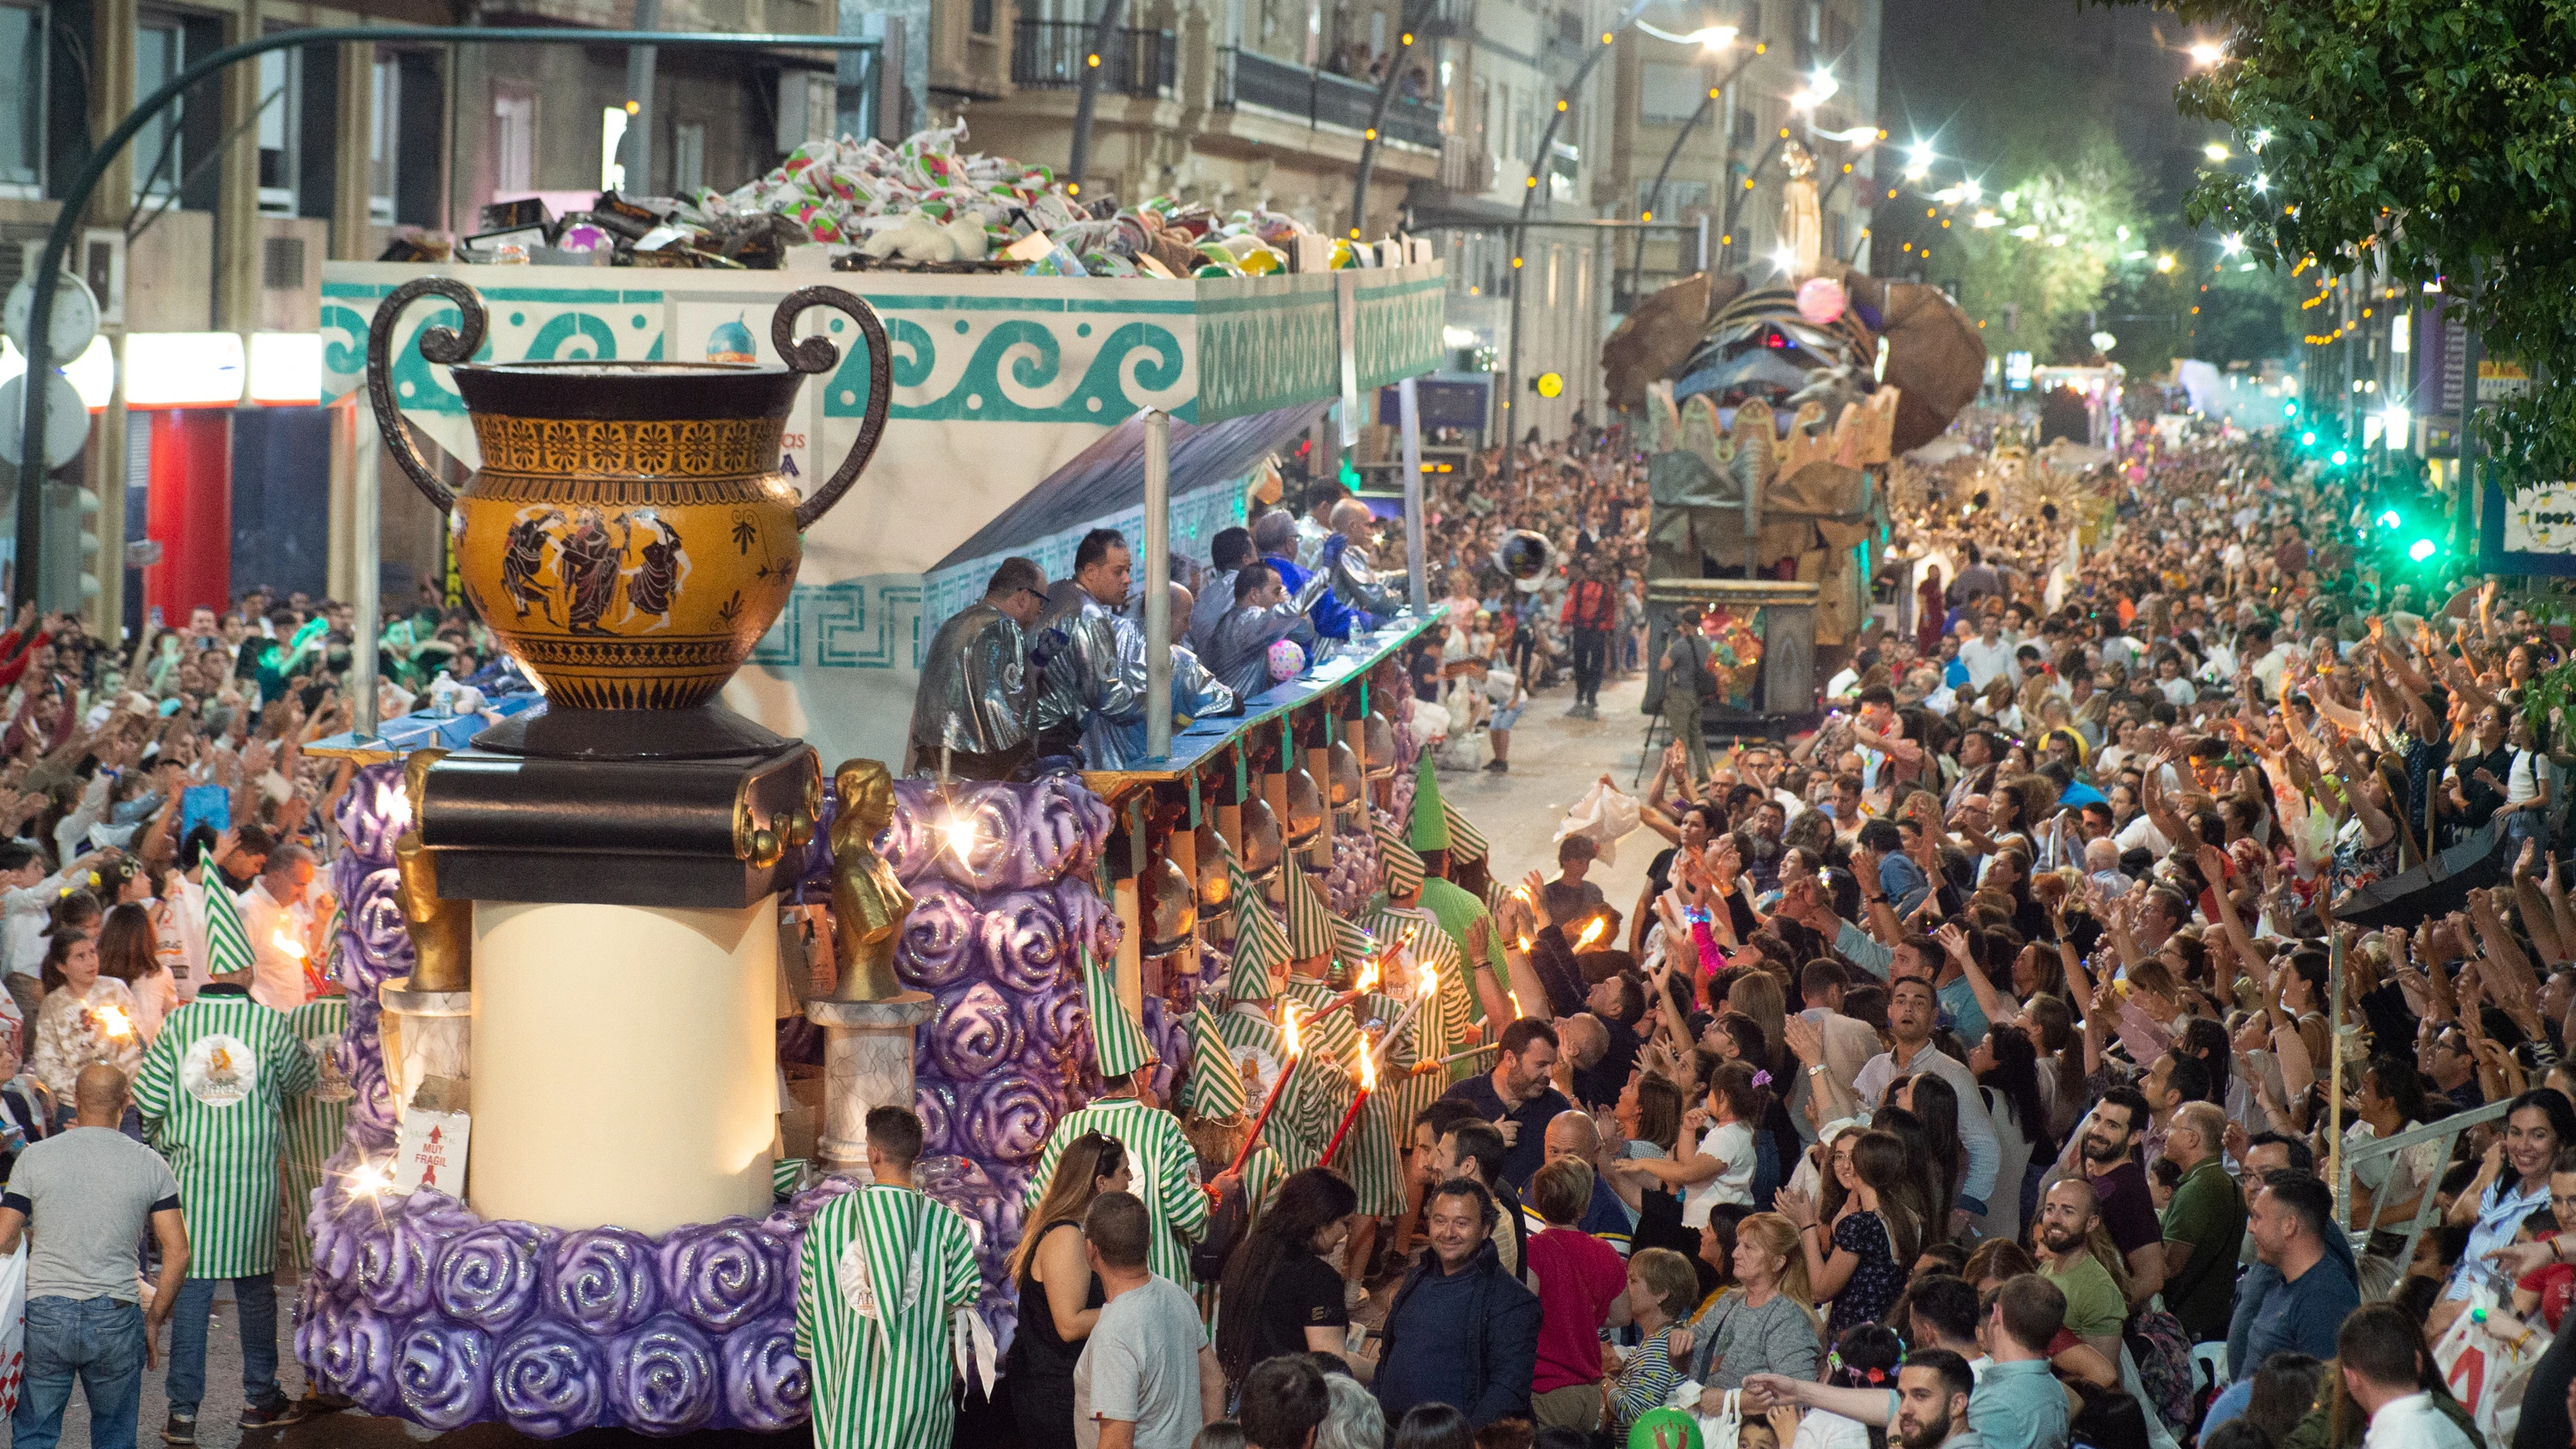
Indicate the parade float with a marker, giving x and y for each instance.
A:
(1771, 408)
(628, 969)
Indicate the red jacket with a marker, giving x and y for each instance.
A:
(1590, 604)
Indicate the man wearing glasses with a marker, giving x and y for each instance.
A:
(971, 715)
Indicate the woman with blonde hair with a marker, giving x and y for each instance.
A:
(1060, 1298)
(1765, 1324)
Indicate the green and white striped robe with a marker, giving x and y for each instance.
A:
(1161, 1164)
(882, 1380)
(315, 1122)
(1437, 1028)
(1325, 1086)
(213, 1093)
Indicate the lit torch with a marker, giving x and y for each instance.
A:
(1591, 933)
(1368, 1084)
(112, 1021)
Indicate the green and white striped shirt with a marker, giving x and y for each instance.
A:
(315, 1122)
(882, 1271)
(213, 1093)
(1161, 1164)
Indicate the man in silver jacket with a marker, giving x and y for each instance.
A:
(1238, 652)
(1074, 650)
(1354, 578)
(1117, 741)
(1228, 552)
(970, 717)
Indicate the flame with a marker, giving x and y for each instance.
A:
(1368, 1071)
(1525, 944)
(112, 1020)
(1288, 1031)
(284, 940)
(1592, 933)
(962, 835)
(1523, 892)
(1430, 982)
(1368, 976)
(1515, 996)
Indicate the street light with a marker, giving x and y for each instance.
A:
(1713, 39)
(1918, 160)
(2205, 52)
(2165, 263)
(2231, 244)
(2216, 151)
(1819, 89)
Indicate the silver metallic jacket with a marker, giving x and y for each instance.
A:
(1074, 654)
(1355, 583)
(1117, 742)
(974, 694)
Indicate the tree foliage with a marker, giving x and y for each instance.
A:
(2433, 141)
(2034, 276)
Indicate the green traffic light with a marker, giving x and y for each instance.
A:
(2307, 440)
(2289, 410)
(2390, 519)
(2421, 549)
(2338, 457)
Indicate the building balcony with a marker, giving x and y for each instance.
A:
(1320, 99)
(1052, 55)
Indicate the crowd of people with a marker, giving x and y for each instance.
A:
(2006, 1063)
(1981, 1066)
(165, 940)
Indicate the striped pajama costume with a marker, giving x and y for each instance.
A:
(315, 1122)
(1161, 1163)
(213, 1092)
(882, 1273)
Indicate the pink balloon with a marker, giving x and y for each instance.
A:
(1821, 300)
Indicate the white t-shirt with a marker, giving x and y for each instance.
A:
(2413, 1423)
(1732, 1144)
(1141, 1366)
(1984, 661)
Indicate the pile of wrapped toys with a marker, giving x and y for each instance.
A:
(924, 205)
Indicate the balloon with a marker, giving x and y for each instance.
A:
(1822, 300)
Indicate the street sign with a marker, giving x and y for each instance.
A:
(75, 319)
(66, 420)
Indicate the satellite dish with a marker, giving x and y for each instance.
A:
(66, 420)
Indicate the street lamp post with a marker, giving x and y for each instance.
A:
(1655, 193)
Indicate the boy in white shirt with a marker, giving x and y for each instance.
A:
(2386, 1369)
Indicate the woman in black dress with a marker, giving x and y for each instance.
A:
(1060, 1299)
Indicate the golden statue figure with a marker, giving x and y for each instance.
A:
(442, 932)
(868, 904)
(1802, 222)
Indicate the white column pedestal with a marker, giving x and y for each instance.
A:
(867, 1063)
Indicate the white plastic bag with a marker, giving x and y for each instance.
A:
(1603, 815)
(1722, 1429)
(2485, 1371)
(13, 1327)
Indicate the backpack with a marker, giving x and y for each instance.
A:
(1226, 1223)
(2156, 1339)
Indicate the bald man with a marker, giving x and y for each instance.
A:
(87, 1193)
(1573, 1134)
(1345, 560)
(2068, 1225)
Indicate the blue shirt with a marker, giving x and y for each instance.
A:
(2018, 1405)
(1959, 1003)
(2499, 1213)
(1605, 1218)
(1333, 618)
(1529, 1151)
(2275, 1316)
(1903, 882)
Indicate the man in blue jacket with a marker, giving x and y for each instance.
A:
(1462, 1331)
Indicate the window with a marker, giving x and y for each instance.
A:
(1680, 197)
(280, 105)
(514, 145)
(22, 114)
(159, 46)
(383, 145)
(688, 157)
(981, 13)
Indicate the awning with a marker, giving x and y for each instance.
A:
(1109, 476)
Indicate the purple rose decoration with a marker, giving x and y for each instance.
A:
(494, 1275)
(935, 1103)
(973, 1032)
(396, 1260)
(662, 1378)
(1026, 944)
(547, 1381)
(722, 1275)
(373, 812)
(371, 921)
(938, 945)
(355, 1356)
(335, 1242)
(444, 1374)
(991, 860)
(1062, 828)
(1005, 1119)
(910, 842)
(604, 1279)
(1057, 1019)
(765, 1384)
(1087, 918)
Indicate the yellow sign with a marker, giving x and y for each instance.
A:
(1551, 384)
